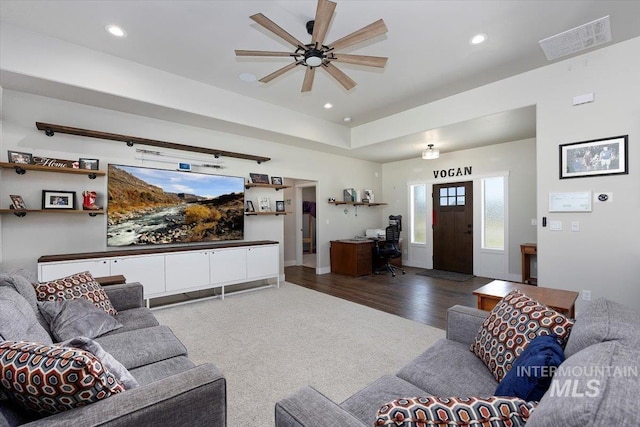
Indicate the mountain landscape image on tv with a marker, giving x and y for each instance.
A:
(148, 206)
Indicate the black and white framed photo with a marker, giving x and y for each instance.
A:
(259, 178)
(597, 157)
(279, 205)
(19, 157)
(52, 199)
(90, 164)
(250, 207)
(17, 202)
(264, 204)
(276, 180)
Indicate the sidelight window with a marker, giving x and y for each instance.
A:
(419, 214)
(493, 213)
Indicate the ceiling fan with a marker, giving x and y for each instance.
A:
(316, 54)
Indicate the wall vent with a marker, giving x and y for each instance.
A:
(577, 39)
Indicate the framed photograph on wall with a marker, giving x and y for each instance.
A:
(259, 178)
(52, 199)
(19, 157)
(597, 157)
(279, 205)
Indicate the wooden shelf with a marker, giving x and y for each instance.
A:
(22, 168)
(50, 129)
(23, 212)
(277, 187)
(266, 213)
(337, 203)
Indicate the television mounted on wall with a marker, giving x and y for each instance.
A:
(149, 206)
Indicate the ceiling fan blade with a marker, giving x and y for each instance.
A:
(308, 79)
(262, 53)
(369, 61)
(324, 13)
(341, 77)
(275, 29)
(370, 31)
(277, 73)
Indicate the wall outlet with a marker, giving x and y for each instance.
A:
(586, 295)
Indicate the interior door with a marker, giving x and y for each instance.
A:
(453, 227)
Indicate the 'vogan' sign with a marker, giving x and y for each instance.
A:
(452, 172)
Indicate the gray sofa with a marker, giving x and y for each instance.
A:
(172, 390)
(597, 385)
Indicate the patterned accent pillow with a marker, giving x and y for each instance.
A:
(455, 411)
(80, 285)
(49, 379)
(513, 323)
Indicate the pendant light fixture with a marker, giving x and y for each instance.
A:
(430, 153)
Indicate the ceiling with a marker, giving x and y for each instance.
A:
(427, 44)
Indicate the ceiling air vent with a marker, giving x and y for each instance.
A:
(577, 39)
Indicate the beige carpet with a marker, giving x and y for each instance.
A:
(270, 342)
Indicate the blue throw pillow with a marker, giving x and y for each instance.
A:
(531, 373)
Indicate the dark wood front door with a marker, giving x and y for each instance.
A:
(453, 227)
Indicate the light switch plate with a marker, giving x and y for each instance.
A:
(555, 225)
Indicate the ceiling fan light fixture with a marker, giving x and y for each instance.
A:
(430, 153)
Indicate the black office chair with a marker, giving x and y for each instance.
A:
(389, 249)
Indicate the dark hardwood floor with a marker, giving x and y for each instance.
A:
(419, 298)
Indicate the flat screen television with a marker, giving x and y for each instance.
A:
(148, 206)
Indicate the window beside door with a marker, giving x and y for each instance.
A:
(493, 213)
(418, 209)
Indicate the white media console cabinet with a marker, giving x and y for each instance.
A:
(175, 270)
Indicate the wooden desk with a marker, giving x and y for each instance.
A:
(528, 250)
(352, 257)
(560, 300)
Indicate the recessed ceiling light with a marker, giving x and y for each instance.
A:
(347, 119)
(328, 105)
(247, 77)
(116, 31)
(478, 38)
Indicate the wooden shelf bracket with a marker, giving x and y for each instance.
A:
(50, 130)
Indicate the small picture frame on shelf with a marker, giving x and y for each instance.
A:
(52, 199)
(250, 207)
(264, 204)
(89, 164)
(259, 178)
(19, 157)
(276, 180)
(279, 205)
(17, 202)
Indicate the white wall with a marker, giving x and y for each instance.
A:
(515, 158)
(26, 239)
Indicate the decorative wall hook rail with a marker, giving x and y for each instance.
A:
(50, 130)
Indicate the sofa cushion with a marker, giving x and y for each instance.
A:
(80, 285)
(448, 368)
(22, 282)
(364, 404)
(531, 373)
(49, 379)
(461, 412)
(603, 320)
(597, 386)
(162, 369)
(135, 318)
(73, 318)
(110, 363)
(510, 327)
(143, 346)
(18, 320)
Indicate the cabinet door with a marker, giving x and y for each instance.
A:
(263, 261)
(56, 270)
(148, 270)
(228, 266)
(186, 270)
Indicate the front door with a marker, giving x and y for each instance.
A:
(453, 227)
